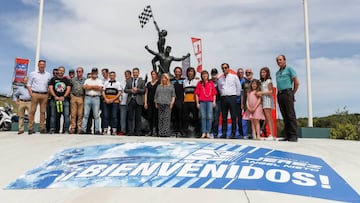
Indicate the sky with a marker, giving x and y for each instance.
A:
(245, 34)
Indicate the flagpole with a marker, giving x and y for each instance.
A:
(38, 40)
(152, 13)
(308, 75)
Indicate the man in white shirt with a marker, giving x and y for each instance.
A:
(38, 89)
(93, 87)
(229, 87)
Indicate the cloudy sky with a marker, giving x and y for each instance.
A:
(247, 34)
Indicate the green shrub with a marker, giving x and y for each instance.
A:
(345, 131)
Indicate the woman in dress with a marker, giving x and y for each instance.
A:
(149, 104)
(254, 110)
(267, 98)
(164, 101)
(205, 96)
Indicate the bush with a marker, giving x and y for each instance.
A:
(344, 131)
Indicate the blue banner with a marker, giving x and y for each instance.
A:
(189, 165)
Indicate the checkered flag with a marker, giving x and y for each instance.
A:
(145, 16)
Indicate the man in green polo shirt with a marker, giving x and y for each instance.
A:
(287, 84)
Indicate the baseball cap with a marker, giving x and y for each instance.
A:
(71, 71)
(94, 70)
(214, 71)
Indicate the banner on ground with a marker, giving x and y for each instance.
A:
(189, 165)
(20, 70)
(196, 42)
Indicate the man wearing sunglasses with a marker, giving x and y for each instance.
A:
(246, 88)
(229, 87)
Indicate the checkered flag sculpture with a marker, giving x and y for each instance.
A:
(145, 16)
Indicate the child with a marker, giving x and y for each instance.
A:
(267, 99)
(254, 110)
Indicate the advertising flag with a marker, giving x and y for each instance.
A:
(21, 68)
(196, 42)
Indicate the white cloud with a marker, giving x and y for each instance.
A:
(31, 2)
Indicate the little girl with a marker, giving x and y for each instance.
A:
(254, 111)
(267, 99)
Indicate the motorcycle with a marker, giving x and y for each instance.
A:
(6, 117)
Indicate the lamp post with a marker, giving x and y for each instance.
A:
(308, 75)
(38, 39)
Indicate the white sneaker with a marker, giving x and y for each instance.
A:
(104, 132)
(269, 138)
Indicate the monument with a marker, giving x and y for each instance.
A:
(163, 55)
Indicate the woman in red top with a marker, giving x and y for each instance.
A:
(205, 95)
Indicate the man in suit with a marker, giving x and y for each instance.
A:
(135, 88)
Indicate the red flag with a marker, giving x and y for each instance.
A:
(198, 52)
(21, 68)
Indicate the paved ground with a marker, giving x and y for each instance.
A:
(20, 153)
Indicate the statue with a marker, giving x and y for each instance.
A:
(165, 59)
(161, 41)
(163, 55)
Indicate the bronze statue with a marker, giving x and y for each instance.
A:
(160, 44)
(163, 56)
(165, 59)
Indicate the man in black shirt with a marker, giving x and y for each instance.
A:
(60, 88)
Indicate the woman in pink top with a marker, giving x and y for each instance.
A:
(205, 95)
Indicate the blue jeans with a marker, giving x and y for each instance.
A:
(94, 104)
(206, 111)
(123, 114)
(56, 116)
(110, 115)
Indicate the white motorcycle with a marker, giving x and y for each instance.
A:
(5, 117)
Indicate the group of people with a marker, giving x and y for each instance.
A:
(179, 106)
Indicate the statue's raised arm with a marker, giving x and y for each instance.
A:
(182, 58)
(161, 40)
(157, 27)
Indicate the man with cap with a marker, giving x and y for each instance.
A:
(93, 87)
(71, 74)
(217, 109)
